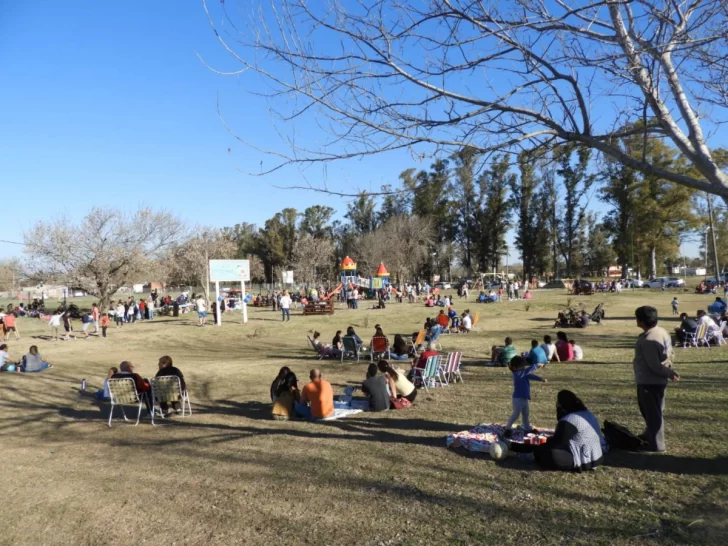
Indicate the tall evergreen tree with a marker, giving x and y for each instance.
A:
(495, 217)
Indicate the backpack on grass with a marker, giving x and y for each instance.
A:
(620, 437)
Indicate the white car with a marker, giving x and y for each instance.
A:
(669, 282)
(634, 283)
(443, 285)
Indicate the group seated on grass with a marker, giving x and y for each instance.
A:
(385, 386)
(703, 330)
(31, 362)
(564, 350)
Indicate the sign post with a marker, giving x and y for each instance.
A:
(229, 271)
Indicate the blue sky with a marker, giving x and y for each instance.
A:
(107, 104)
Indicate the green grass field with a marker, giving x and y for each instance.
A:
(229, 475)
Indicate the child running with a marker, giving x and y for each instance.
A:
(675, 305)
(10, 326)
(522, 375)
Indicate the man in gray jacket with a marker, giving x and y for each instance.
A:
(652, 370)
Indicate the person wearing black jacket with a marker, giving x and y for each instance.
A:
(166, 368)
(687, 326)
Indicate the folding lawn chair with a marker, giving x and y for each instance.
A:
(430, 373)
(168, 389)
(419, 340)
(451, 368)
(123, 391)
(694, 339)
(313, 346)
(351, 349)
(379, 347)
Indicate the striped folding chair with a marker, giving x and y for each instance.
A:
(351, 349)
(123, 391)
(419, 341)
(451, 368)
(168, 389)
(429, 374)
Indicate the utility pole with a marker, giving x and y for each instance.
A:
(712, 236)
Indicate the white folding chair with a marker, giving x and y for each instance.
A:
(167, 389)
(123, 391)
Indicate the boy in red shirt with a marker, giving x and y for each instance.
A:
(104, 325)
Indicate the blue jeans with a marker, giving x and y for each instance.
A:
(43, 366)
(303, 411)
(285, 314)
(394, 356)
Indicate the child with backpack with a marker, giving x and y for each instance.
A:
(522, 376)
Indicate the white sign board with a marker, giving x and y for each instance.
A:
(230, 270)
(288, 277)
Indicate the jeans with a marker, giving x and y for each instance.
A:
(520, 407)
(303, 411)
(395, 356)
(285, 314)
(43, 366)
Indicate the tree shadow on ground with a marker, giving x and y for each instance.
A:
(669, 464)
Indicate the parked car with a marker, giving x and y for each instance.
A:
(669, 282)
(634, 283)
(443, 285)
(556, 283)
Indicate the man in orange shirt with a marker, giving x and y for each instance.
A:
(319, 394)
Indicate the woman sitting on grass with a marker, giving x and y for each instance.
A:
(278, 381)
(33, 362)
(399, 385)
(286, 397)
(400, 349)
(577, 444)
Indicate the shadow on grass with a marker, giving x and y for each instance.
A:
(669, 464)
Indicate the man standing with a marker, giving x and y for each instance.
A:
(285, 304)
(319, 394)
(652, 369)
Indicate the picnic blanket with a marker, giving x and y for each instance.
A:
(342, 410)
(481, 437)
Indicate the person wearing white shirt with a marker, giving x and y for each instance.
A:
(285, 304)
(119, 315)
(578, 351)
(201, 310)
(713, 328)
(550, 349)
(55, 324)
(466, 324)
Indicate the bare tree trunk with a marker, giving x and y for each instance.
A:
(653, 262)
(712, 236)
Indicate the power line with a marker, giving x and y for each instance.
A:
(12, 242)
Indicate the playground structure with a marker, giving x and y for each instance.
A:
(350, 279)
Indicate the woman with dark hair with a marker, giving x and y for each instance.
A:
(563, 348)
(350, 332)
(577, 444)
(278, 381)
(337, 343)
(400, 349)
(399, 385)
(287, 395)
